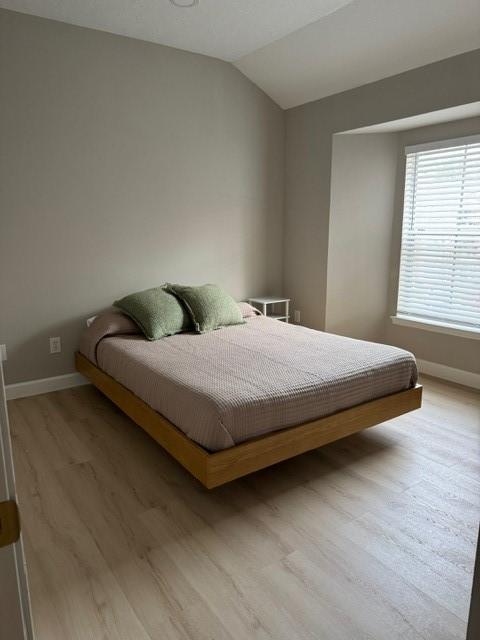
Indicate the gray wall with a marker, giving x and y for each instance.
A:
(309, 130)
(364, 170)
(453, 351)
(125, 164)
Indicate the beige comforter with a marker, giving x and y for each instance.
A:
(227, 386)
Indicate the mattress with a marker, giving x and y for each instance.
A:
(227, 386)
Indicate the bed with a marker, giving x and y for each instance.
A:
(232, 401)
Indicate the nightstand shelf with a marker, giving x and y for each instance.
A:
(268, 305)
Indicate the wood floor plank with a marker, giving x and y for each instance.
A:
(74, 593)
(370, 537)
(45, 433)
(407, 553)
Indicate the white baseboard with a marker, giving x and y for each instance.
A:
(467, 378)
(44, 385)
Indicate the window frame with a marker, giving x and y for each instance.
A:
(419, 322)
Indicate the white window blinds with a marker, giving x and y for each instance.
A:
(440, 257)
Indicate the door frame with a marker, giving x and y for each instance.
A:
(473, 630)
(13, 555)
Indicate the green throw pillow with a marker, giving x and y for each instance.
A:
(210, 307)
(157, 312)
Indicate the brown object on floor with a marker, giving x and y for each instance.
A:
(372, 536)
(214, 469)
(9, 523)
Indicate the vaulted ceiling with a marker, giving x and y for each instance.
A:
(295, 50)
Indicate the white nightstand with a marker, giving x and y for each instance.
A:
(265, 302)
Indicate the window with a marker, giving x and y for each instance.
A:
(439, 281)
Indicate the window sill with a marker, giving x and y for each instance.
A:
(438, 327)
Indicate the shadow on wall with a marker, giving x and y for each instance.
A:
(33, 353)
(364, 169)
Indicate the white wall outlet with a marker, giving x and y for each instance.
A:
(3, 352)
(296, 317)
(55, 345)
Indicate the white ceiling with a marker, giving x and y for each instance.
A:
(295, 50)
(226, 29)
(362, 42)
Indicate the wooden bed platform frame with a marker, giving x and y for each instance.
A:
(217, 468)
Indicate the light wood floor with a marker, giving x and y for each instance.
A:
(371, 537)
